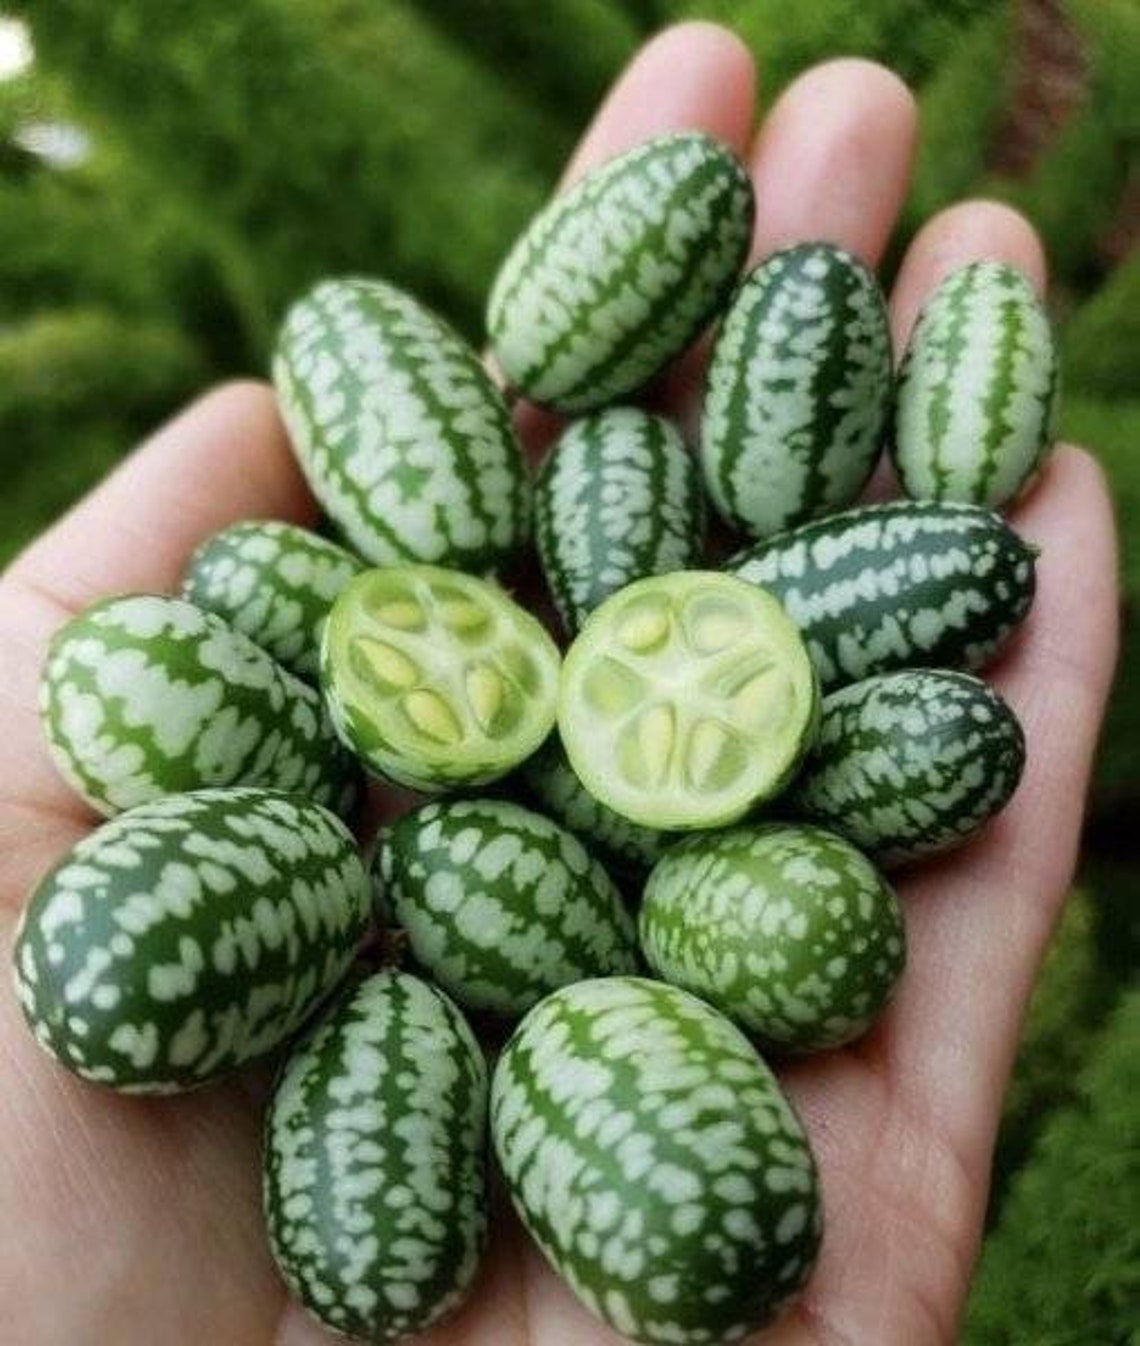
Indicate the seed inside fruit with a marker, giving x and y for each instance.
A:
(403, 614)
(388, 663)
(432, 716)
(612, 688)
(712, 626)
(462, 616)
(485, 694)
(644, 628)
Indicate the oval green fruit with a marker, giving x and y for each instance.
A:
(144, 696)
(789, 930)
(275, 582)
(652, 1156)
(500, 905)
(404, 439)
(374, 1174)
(188, 936)
(437, 679)
(620, 273)
(889, 586)
(798, 391)
(618, 498)
(686, 700)
(911, 763)
(977, 389)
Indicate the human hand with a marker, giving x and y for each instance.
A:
(138, 1220)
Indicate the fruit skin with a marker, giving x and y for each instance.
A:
(798, 390)
(911, 763)
(188, 936)
(404, 439)
(374, 1181)
(618, 498)
(909, 583)
(788, 930)
(275, 582)
(651, 1154)
(977, 389)
(619, 274)
(144, 696)
(500, 905)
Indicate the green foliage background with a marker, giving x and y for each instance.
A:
(238, 151)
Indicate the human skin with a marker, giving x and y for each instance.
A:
(138, 1221)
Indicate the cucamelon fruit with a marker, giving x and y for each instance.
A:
(617, 275)
(189, 935)
(651, 1154)
(789, 930)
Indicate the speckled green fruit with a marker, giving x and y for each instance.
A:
(274, 581)
(651, 1154)
(500, 905)
(144, 696)
(686, 700)
(189, 936)
(437, 679)
(619, 274)
(789, 930)
(910, 763)
(374, 1177)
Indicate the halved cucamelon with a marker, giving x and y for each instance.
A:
(887, 586)
(618, 275)
(374, 1174)
(911, 763)
(500, 905)
(188, 936)
(977, 389)
(144, 696)
(618, 498)
(274, 581)
(651, 1154)
(788, 930)
(437, 679)
(799, 390)
(404, 439)
(686, 700)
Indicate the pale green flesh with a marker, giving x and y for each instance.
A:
(436, 678)
(686, 700)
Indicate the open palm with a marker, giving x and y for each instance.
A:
(138, 1221)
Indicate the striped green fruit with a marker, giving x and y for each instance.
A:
(403, 437)
(789, 930)
(911, 763)
(437, 679)
(500, 905)
(977, 389)
(652, 1156)
(374, 1172)
(188, 936)
(618, 275)
(274, 581)
(798, 390)
(618, 498)
(144, 696)
(894, 585)
(622, 846)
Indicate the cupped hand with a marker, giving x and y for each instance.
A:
(138, 1221)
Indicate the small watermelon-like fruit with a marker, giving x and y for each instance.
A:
(619, 274)
(977, 389)
(619, 497)
(798, 392)
(651, 1154)
(274, 581)
(437, 679)
(500, 905)
(144, 696)
(910, 763)
(908, 583)
(374, 1171)
(789, 930)
(404, 439)
(686, 700)
(188, 936)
